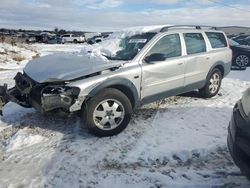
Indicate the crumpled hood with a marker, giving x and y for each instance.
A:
(66, 66)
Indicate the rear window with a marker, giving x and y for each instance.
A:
(217, 40)
(195, 43)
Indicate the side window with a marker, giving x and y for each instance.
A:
(169, 46)
(217, 40)
(195, 43)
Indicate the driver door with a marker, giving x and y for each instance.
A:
(165, 76)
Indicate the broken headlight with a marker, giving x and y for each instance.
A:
(54, 97)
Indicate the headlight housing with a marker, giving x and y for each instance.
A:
(54, 97)
(61, 90)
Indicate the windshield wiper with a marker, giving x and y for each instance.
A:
(108, 57)
(114, 58)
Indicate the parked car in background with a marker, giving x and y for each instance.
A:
(106, 36)
(231, 36)
(97, 39)
(56, 40)
(243, 41)
(41, 38)
(240, 37)
(246, 41)
(145, 67)
(94, 40)
(73, 38)
(91, 35)
(38, 38)
(31, 40)
(239, 134)
(241, 55)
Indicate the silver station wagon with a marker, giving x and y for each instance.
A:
(148, 66)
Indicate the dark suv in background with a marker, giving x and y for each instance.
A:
(239, 134)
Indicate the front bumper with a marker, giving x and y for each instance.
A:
(239, 139)
(42, 96)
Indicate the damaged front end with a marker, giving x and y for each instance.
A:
(42, 96)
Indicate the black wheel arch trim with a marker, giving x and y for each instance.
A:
(122, 84)
(220, 65)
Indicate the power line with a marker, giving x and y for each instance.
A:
(230, 6)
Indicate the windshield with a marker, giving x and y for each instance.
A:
(129, 46)
(233, 43)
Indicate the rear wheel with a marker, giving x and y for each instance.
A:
(213, 84)
(108, 113)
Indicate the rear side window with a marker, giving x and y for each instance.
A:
(195, 43)
(169, 46)
(217, 40)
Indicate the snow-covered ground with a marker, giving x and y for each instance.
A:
(14, 57)
(176, 142)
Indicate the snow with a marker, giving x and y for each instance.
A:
(47, 49)
(111, 45)
(14, 57)
(22, 139)
(242, 75)
(176, 142)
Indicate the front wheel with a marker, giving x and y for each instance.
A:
(242, 60)
(108, 113)
(213, 84)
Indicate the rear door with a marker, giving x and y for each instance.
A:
(197, 59)
(161, 77)
(219, 50)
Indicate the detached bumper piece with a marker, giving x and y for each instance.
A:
(239, 139)
(13, 95)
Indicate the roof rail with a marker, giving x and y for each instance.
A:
(164, 29)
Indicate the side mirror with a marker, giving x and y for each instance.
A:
(155, 57)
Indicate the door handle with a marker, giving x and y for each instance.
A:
(181, 63)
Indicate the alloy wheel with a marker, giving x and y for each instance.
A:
(242, 60)
(108, 114)
(214, 83)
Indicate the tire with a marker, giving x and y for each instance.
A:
(213, 84)
(75, 41)
(246, 172)
(108, 113)
(236, 68)
(241, 60)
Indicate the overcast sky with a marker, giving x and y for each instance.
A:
(109, 15)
